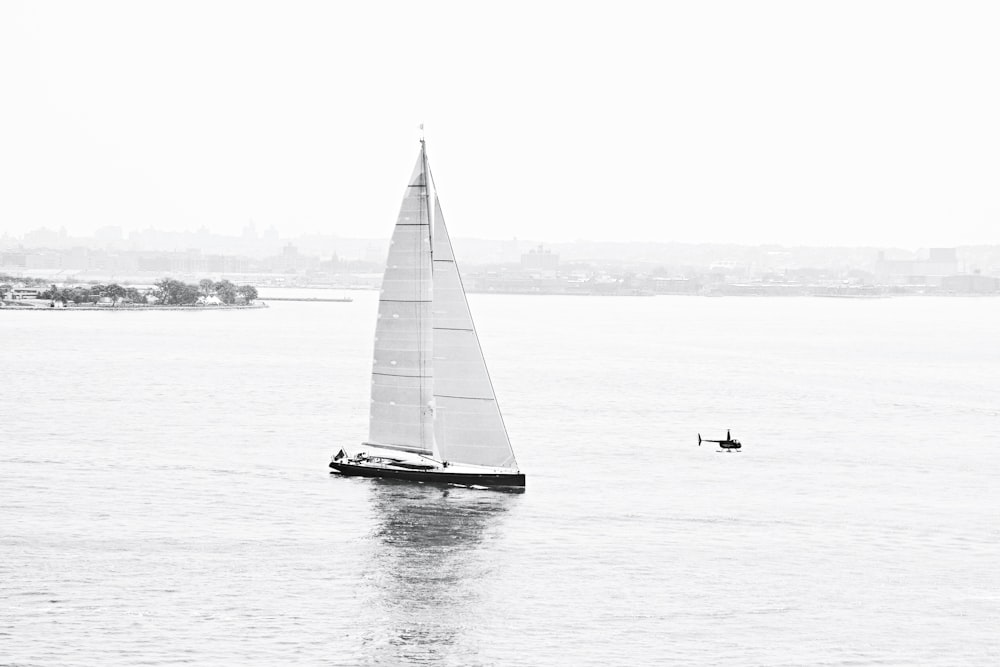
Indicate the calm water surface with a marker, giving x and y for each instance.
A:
(164, 496)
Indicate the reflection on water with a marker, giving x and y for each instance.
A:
(431, 563)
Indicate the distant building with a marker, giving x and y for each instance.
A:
(539, 259)
(43, 237)
(940, 263)
(675, 286)
(971, 284)
(25, 292)
(44, 259)
(77, 257)
(109, 235)
(16, 260)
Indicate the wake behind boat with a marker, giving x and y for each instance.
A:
(434, 416)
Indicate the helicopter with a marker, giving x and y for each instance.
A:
(729, 444)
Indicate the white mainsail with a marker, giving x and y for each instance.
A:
(402, 404)
(431, 392)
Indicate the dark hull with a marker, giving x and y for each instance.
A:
(431, 476)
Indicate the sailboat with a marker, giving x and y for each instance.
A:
(434, 415)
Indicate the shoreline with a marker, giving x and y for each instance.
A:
(133, 308)
(310, 299)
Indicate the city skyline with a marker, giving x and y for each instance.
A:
(270, 239)
(111, 247)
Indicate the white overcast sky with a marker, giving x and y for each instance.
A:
(833, 123)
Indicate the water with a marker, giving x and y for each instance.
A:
(164, 496)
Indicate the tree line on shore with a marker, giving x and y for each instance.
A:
(174, 292)
(167, 292)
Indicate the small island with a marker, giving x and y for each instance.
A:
(168, 293)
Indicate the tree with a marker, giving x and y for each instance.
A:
(226, 291)
(132, 295)
(115, 292)
(207, 287)
(164, 291)
(76, 295)
(248, 292)
(172, 292)
(168, 291)
(188, 295)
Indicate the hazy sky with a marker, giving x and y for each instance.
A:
(860, 123)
